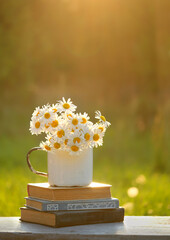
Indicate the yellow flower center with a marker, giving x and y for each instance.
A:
(66, 141)
(84, 120)
(76, 139)
(101, 128)
(87, 136)
(54, 110)
(46, 126)
(74, 148)
(75, 121)
(54, 123)
(69, 115)
(60, 133)
(37, 113)
(57, 145)
(47, 148)
(66, 106)
(103, 118)
(37, 124)
(96, 137)
(47, 115)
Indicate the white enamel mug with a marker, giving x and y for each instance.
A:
(67, 170)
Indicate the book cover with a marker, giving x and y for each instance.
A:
(45, 191)
(72, 218)
(44, 205)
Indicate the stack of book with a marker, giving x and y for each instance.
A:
(69, 206)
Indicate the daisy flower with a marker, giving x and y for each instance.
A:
(74, 148)
(56, 143)
(65, 143)
(37, 112)
(102, 119)
(36, 126)
(66, 115)
(87, 135)
(49, 137)
(74, 121)
(55, 107)
(46, 146)
(47, 114)
(62, 131)
(84, 118)
(46, 127)
(76, 137)
(55, 123)
(66, 106)
(97, 139)
(102, 127)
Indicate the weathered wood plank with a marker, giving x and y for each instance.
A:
(134, 228)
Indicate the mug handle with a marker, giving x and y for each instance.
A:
(29, 163)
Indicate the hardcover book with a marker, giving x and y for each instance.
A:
(45, 191)
(44, 205)
(71, 218)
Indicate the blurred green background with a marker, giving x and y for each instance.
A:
(107, 55)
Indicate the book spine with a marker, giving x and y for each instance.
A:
(90, 217)
(72, 205)
(80, 206)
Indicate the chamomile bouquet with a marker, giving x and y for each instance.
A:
(67, 130)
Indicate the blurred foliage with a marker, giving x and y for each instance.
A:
(113, 50)
(111, 55)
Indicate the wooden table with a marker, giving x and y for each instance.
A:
(132, 228)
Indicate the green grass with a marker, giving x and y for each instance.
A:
(126, 154)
